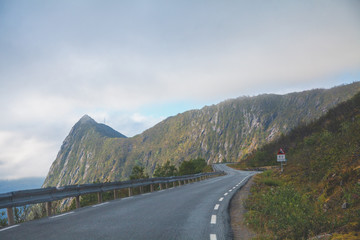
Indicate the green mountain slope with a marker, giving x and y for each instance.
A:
(228, 131)
(319, 190)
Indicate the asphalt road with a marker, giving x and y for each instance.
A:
(194, 211)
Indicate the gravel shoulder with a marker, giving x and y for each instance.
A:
(237, 211)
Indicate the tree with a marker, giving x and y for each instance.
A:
(166, 170)
(192, 167)
(138, 172)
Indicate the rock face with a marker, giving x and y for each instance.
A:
(78, 150)
(227, 131)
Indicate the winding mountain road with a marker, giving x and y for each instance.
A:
(193, 211)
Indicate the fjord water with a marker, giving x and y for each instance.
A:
(19, 184)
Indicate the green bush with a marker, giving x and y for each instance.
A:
(192, 167)
(138, 172)
(165, 170)
(285, 212)
(271, 182)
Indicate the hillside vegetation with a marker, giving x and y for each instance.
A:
(319, 190)
(225, 132)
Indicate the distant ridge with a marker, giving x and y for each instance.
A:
(20, 184)
(228, 131)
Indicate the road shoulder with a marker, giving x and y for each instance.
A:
(237, 211)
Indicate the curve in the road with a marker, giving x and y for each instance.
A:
(193, 211)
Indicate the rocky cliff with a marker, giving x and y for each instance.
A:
(227, 131)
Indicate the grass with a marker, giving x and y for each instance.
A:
(278, 210)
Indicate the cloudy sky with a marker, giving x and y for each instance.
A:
(133, 63)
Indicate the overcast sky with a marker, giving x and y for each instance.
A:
(133, 63)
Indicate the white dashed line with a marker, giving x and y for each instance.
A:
(213, 237)
(230, 190)
(216, 206)
(221, 199)
(101, 204)
(213, 219)
(226, 194)
(233, 187)
(62, 215)
(4, 229)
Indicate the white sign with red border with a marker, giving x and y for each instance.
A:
(281, 156)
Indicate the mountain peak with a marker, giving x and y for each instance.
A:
(86, 118)
(86, 123)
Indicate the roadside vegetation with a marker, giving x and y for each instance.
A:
(319, 190)
(19, 215)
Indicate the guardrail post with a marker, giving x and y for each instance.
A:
(151, 187)
(10, 214)
(160, 186)
(115, 195)
(99, 197)
(179, 182)
(166, 185)
(173, 184)
(48, 209)
(130, 192)
(77, 200)
(141, 189)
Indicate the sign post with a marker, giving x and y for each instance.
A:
(281, 158)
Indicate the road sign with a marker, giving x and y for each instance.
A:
(281, 156)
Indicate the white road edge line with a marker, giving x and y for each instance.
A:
(213, 237)
(64, 214)
(245, 179)
(100, 204)
(221, 199)
(213, 219)
(216, 206)
(4, 229)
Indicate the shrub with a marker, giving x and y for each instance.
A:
(284, 212)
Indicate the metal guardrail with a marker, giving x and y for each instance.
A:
(41, 195)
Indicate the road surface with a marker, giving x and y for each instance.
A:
(193, 211)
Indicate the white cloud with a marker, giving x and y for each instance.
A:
(112, 61)
(24, 157)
